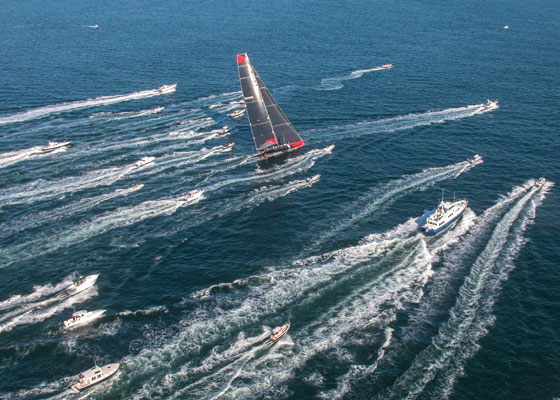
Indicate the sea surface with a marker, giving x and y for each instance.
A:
(193, 290)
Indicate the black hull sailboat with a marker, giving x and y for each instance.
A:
(272, 132)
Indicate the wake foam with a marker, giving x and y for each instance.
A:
(336, 82)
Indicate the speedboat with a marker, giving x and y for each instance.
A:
(52, 146)
(477, 159)
(491, 104)
(540, 183)
(237, 113)
(94, 376)
(143, 161)
(192, 196)
(228, 146)
(167, 88)
(387, 66)
(80, 318)
(444, 217)
(312, 179)
(225, 129)
(278, 332)
(80, 283)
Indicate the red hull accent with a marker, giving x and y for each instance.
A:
(296, 144)
(241, 59)
(271, 141)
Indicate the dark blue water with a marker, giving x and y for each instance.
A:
(191, 291)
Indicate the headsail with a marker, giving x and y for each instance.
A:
(271, 129)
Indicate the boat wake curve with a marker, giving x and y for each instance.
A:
(7, 159)
(336, 82)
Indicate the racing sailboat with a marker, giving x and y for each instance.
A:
(272, 132)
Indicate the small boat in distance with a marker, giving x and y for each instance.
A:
(80, 283)
(444, 217)
(387, 66)
(143, 161)
(80, 318)
(94, 376)
(237, 114)
(491, 104)
(312, 179)
(192, 196)
(278, 332)
(272, 131)
(52, 146)
(506, 26)
(228, 146)
(477, 159)
(225, 129)
(167, 88)
(539, 184)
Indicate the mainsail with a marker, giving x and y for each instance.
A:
(271, 129)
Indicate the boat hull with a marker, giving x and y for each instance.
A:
(109, 370)
(442, 229)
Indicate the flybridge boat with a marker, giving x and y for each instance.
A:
(80, 318)
(80, 283)
(477, 159)
(167, 88)
(236, 114)
(272, 132)
(444, 217)
(540, 183)
(52, 146)
(278, 332)
(143, 161)
(192, 196)
(387, 66)
(94, 376)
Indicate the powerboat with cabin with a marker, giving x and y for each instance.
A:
(387, 66)
(237, 114)
(491, 104)
(444, 217)
(143, 161)
(81, 283)
(192, 196)
(167, 88)
(94, 375)
(477, 159)
(52, 146)
(278, 332)
(539, 184)
(80, 318)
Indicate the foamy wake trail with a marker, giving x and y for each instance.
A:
(47, 309)
(12, 157)
(39, 292)
(404, 122)
(47, 217)
(336, 82)
(458, 339)
(75, 105)
(114, 219)
(112, 116)
(382, 196)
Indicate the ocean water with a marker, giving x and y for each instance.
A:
(192, 291)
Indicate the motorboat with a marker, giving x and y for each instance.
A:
(228, 146)
(444, 217)
(312, 179)
(225, 129)
(94, 375)
(477, 159)
(167, 88)
(506, 26)
(52, 146)
(93, 26)
(237, 113)
(143, 161)
(491, 104)
(80, 318)
(387, 66)
(80, 283)
(540, 183)
(192, 196)
(278, 332)
(132, 188)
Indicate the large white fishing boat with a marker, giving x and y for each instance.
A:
(52, 146)
(80, 318)
(167, 88)
(444, 217)
(278, 332)
(80, 283)
(272, 131)
(94, 376)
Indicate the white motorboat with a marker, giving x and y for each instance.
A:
(143, 161)
(446, 216)
(167, 88)
(278, 332)
(540, 183)
(94, 376)
(237, 113)
(80, 318)
(387, 66)
(477, 159)
(312, 179)
(491, 104)
(52, 146)
(80, 283)
(225, 129)
(192, 196)
(228, 146)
